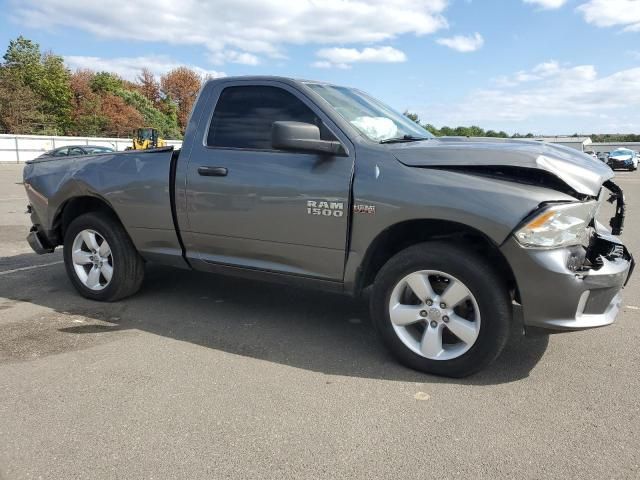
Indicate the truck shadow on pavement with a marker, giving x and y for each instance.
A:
(301, 328)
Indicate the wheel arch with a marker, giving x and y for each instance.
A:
(404, 234)
(75, 206)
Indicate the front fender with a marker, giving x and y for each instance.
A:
(400, 194)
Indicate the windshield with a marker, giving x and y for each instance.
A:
(145, 134)
(621, 151)
(370, 117)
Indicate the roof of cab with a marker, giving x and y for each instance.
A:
(258, 78)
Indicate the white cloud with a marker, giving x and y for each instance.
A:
(538, 72)
(244, 58)
(547, 4)
(462, 43)
(547, 68)
(257, 27)
(326, 64)
(612, 13)
(556, 98)
(344, 57)
(130, 67)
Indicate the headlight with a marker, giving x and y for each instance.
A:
(558, 226)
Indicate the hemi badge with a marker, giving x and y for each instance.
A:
(370, 209)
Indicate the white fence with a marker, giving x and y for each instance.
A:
(20, 148)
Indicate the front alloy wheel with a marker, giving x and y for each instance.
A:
(434, 314)
(441, 308)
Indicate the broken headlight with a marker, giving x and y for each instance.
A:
(559, 225)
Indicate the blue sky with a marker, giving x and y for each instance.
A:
(541, 66)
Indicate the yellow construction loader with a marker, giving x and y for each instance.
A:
(144, 138)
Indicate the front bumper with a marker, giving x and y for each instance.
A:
(557, 292)
(621, 164)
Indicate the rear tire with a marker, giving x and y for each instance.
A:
(101, 261)
(468, 334)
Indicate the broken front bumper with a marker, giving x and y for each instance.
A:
(558, 292)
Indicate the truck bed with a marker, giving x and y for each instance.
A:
(136, 184)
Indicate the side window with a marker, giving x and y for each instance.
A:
(61, 152)
(244, 115)
(76, 151)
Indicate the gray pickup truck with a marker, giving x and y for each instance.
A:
(309, 183)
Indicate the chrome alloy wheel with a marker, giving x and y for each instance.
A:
(434, 314)
(92, 260)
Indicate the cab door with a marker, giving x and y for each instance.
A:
(253, 206)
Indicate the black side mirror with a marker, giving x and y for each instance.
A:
(303, 137)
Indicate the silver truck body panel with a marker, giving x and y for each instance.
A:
(257, 216)
(134, 184)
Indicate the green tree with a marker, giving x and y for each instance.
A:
(19, 104)
(54, 86)
(446, 131)
(166, 123)
(412, 116)
(433, 130)
(23, 59)
(105, 82)
(46, 76)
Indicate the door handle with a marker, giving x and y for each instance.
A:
(212, 171)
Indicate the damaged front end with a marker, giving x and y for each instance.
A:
(569, 269)
(604, 244)
(617, 196)
(571, 285)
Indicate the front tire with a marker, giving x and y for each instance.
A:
(101, 261)
(441, 309)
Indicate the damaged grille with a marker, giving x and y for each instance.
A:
(617, 221)
(604, 244)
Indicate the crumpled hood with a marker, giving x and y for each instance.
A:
(579, 171)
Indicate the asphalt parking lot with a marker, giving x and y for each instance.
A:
(201, 376)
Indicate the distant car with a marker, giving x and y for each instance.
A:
(603, 156)
(623, 158)
(592, 154)
(69, 150)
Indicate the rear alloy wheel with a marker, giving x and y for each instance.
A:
(441, 309)
(92, 260)
(101, 261)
